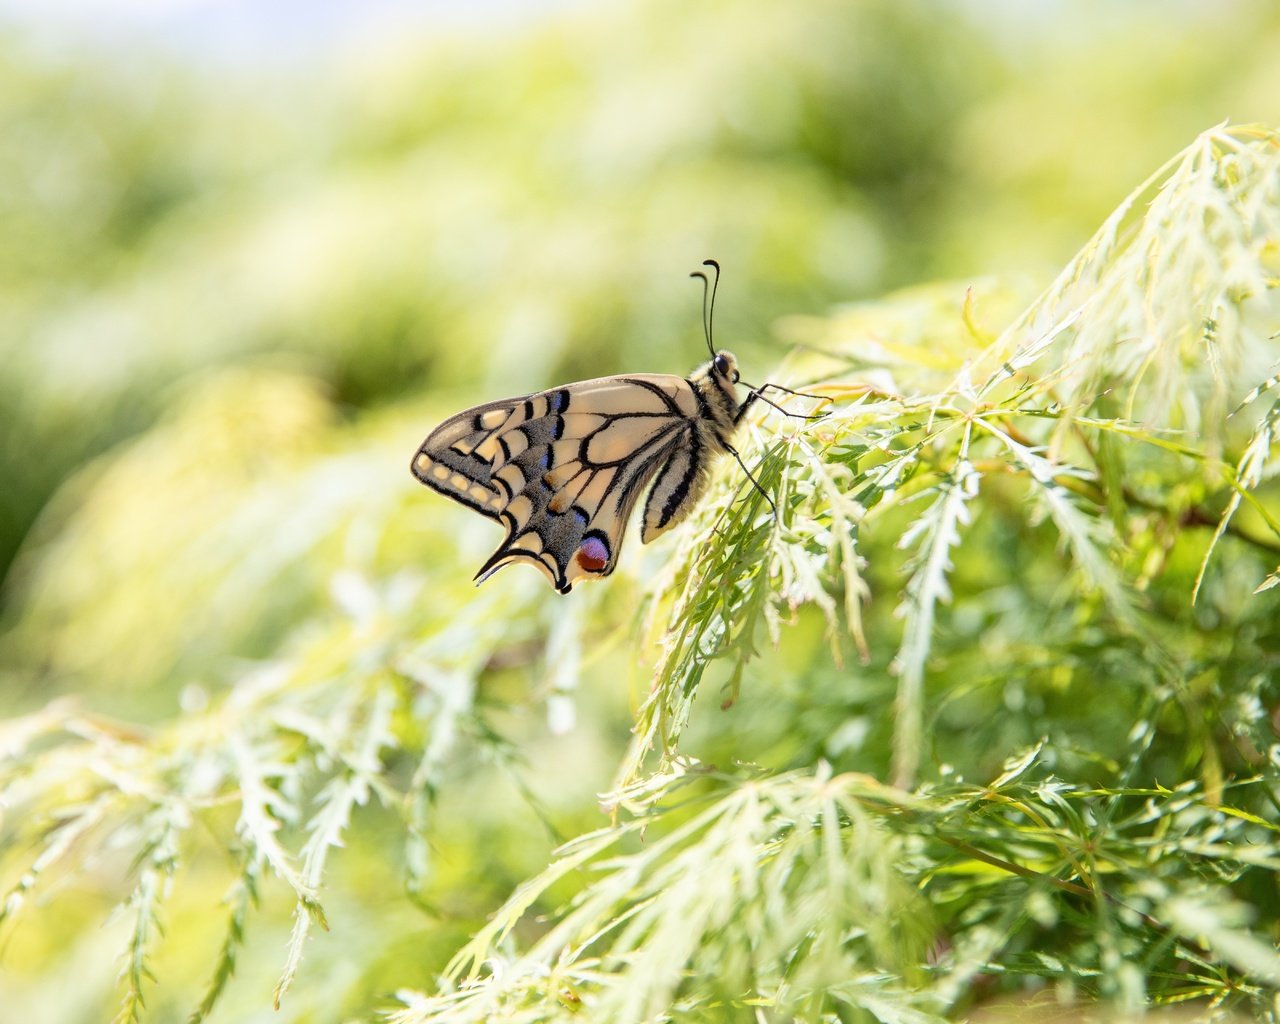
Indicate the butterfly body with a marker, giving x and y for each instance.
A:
(563, 469)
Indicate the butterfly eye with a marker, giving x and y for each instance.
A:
(721, 363)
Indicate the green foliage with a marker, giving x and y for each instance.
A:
(748, 902)
(1080, 516)
(1161, 325)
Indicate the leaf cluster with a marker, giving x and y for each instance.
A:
(1054, 544)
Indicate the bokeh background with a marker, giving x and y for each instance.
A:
(251, 252)
(484, 198)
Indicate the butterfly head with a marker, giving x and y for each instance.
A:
(725, 366)
(716, 383)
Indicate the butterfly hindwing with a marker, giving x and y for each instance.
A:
(563, 469)
(676, 490)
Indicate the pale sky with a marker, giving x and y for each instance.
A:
(249, 30)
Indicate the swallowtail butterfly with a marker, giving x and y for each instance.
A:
(563, 469)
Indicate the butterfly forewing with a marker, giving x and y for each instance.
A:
(463, 456)
(563, 469)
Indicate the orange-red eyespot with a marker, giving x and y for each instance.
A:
(593, 555)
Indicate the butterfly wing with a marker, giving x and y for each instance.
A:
(679, 485)
(562, 469)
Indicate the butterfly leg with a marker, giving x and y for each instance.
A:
(763, 493)
(798, 394)
(759, 393)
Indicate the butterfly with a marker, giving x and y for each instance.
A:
(562, 470)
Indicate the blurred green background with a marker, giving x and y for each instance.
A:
(251, 253)
(398, 199)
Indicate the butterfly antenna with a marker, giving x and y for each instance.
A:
(708, 301)
(711, 309)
